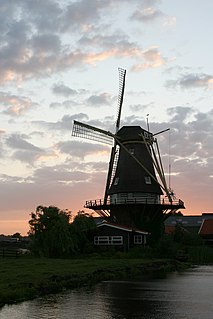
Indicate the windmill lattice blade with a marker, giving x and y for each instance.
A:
(122, 75)
(91, 133)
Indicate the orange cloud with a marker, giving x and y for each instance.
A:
(153, 59)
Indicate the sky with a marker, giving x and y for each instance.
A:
(59, 62)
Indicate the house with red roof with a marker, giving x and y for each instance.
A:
(121, 237)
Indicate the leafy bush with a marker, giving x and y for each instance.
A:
(53, 235)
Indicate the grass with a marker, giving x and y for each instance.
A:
(25, 278)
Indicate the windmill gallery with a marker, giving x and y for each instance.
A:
(136, 193)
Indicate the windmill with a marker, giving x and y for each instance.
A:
(134, 195)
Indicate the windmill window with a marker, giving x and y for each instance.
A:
(138, 239)
(132, 151)
(116, 181)
(148, 180)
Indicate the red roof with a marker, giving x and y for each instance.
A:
(207, 227)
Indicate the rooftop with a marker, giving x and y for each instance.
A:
(206, 227)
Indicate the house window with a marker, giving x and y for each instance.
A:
(116, 181)
(108, 240)
(138, 239)
(148, 180)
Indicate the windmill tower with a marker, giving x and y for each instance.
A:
(134, 195)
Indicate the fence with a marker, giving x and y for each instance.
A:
(5, 252)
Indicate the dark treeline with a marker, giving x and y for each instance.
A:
(52, 234)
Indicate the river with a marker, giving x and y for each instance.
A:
(186, 295)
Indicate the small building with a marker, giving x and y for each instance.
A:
(201, 225)
(190, 223)
(113, 235)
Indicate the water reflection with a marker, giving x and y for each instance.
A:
(180, 296)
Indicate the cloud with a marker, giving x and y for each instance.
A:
(195, 134)
(169, 21)
(101, 99)
(114, 42)
(65, 104)
(36, 65)
(147, 14)
(36, 38)
(152, 58)
(45, 43)
(27, 156)
(140, 107)
(82, 14)
(190, 81)
(47, 186)
(10, 179)
(179, 113)
(81, 149)
(46, 15)
(64, 124)
(15, 105)
(59, 174)
(23, 150)
(17, 141)
(63, 90)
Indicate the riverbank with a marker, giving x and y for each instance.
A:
(26, 278)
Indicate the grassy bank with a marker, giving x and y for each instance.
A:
(25, 278)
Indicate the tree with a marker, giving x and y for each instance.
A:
(53, 235)
(50, 232)
(16, 235)
(82, 230)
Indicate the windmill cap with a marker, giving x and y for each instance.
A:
(132, 133)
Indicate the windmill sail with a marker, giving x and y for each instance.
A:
(92, 133)
(122, 76)
(112, 169)
(115, 150)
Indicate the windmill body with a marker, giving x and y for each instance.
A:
(136, 193)
(131, 181)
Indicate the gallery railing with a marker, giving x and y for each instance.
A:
(136, 200)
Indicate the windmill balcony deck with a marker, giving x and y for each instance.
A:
(164, 202)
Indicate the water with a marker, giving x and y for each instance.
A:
(188, 295)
